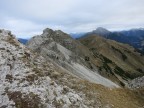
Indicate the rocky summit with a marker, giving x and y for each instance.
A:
(56, 71)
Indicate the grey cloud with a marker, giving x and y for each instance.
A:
(28, 17)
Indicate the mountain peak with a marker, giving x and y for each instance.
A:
(47, 31)
(134, 29)
(59, 32)
(101, 31)
(101, 28)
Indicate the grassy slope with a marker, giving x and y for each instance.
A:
(115, 98)
(115, 57)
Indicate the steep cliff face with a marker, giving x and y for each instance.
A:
(27, 80)
(68, 53)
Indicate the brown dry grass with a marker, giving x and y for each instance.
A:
(117, 98)
(122, 56)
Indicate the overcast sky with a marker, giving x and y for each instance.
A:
(26, 18)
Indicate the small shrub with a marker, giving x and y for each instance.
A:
(87, 58)
(2, 48)
(140, 70)
(9, 78)
(65, 89)
(107, 68)
(122, 84)
(124, 74)
(55, 75)
(31, 78)
(92, 49)
(106, 60)
(124, 57)
(58, 103)
(10, 66)
(119, 71)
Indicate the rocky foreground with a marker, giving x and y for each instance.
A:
(25, 79)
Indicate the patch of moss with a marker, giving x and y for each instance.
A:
(9, 78)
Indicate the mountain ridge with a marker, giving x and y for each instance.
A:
(69, 53)
(115, 58)
(133, 37)
(30, 80)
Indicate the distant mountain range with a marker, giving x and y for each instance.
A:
(77, 35)
(23, 41)
(133, 37)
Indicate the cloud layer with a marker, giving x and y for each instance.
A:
(29, 17)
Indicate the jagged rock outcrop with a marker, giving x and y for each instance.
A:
(137, 83)
(68, 53)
